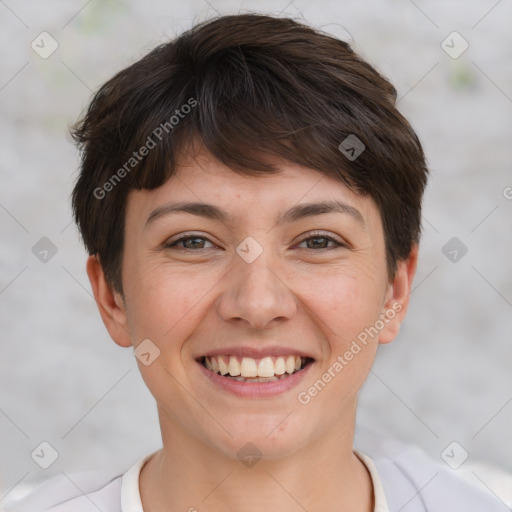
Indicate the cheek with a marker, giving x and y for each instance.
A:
(344, 307)
(345, 302)
(165, 301)
(166, 306)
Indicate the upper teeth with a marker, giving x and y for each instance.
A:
(249, 367)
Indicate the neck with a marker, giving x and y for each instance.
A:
(187, 474)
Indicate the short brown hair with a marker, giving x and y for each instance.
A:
(256, 87)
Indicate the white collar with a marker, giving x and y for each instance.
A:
(130, 491)
(381, 504)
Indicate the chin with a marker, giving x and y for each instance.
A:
(266, 439)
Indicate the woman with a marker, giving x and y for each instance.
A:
(250, 199)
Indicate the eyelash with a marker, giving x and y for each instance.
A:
(311, 235)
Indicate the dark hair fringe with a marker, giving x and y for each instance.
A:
(265, 88)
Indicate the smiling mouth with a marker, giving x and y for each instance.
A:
(248, 369)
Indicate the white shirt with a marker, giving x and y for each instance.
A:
(405, 481)
(122, 493)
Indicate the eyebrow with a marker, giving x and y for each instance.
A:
(297, 212)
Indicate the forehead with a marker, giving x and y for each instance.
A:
(203, 179)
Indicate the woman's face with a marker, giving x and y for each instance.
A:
(261, 277)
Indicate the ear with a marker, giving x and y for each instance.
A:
(110, 304)
(397, 297)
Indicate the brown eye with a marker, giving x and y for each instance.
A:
(320, 241)
(189, 242)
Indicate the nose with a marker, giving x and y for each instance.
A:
(256, 294)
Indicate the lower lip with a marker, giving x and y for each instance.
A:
(255, 389)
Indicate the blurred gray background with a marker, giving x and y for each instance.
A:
(448, 375)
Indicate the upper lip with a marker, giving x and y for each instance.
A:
(253, 352)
